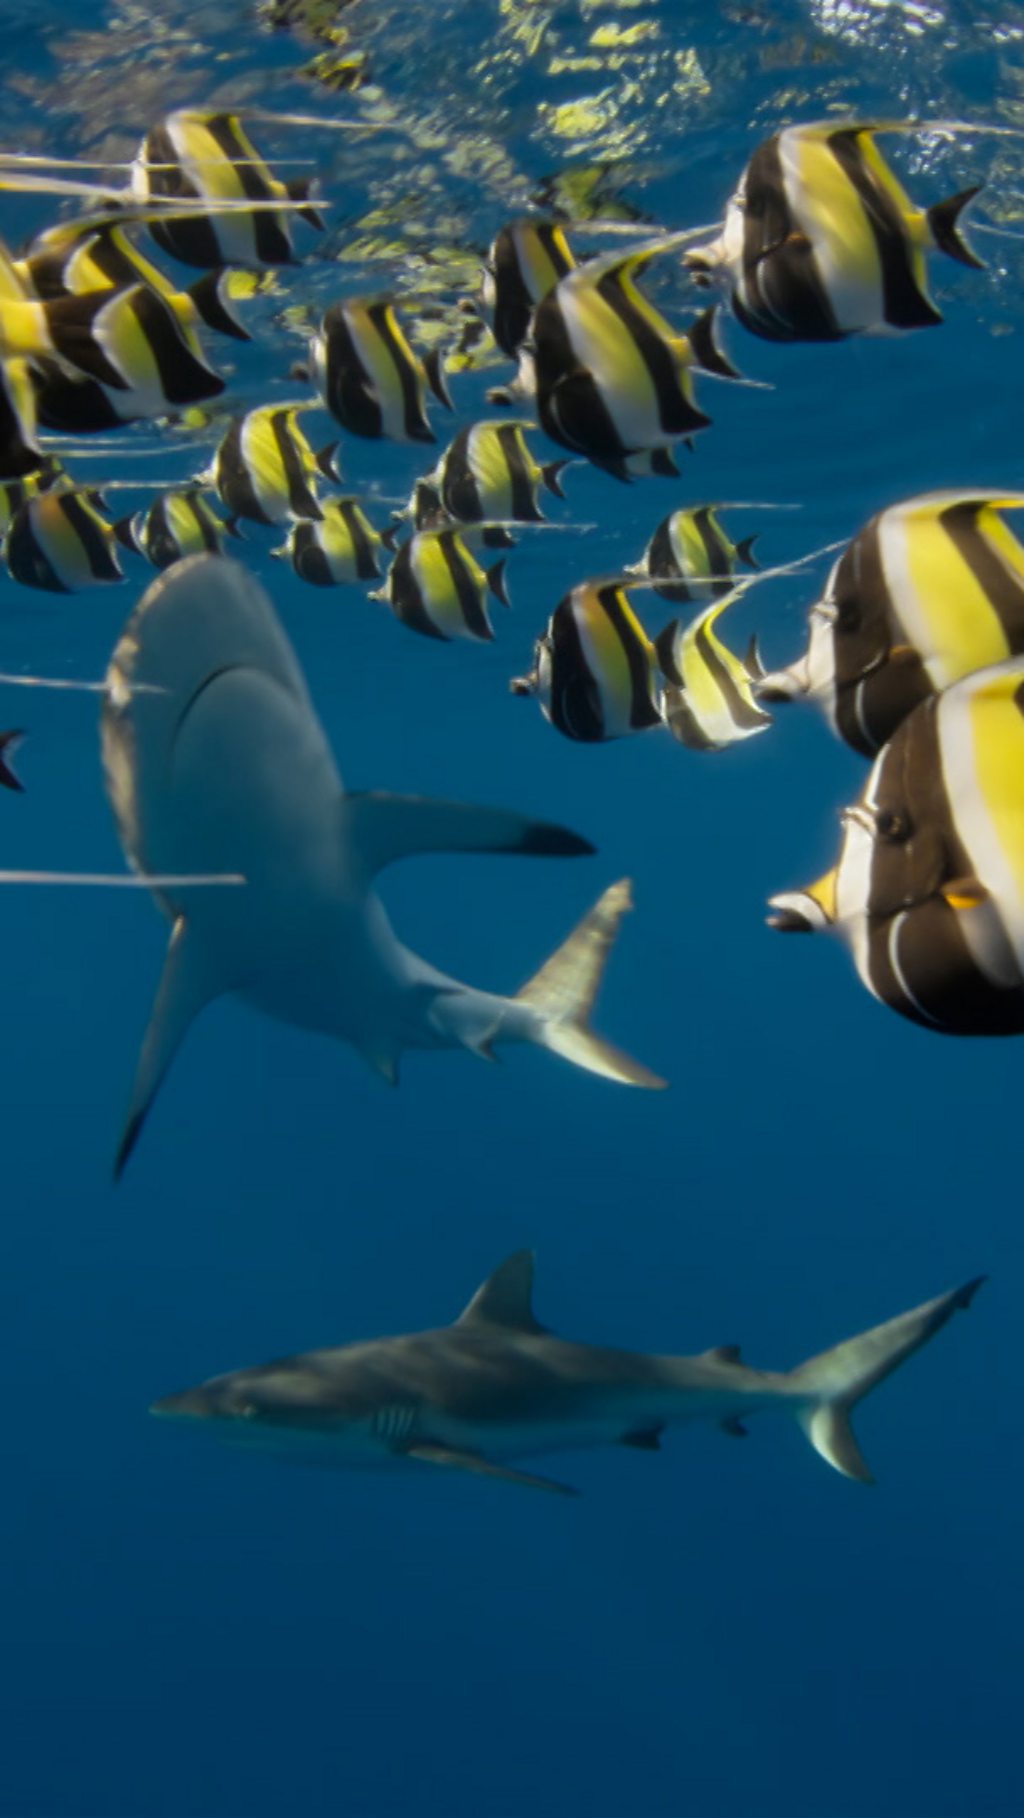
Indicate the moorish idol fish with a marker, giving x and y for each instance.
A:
(595, 669)
(436, 586)
(497, 1386)
(60, 541)
(708, 700)
(369, 377)
(486, 473)
(526, 260)
(928, 889)
(341, 546)
(216, 763)
(97, 254)
(928, 591)
(209, 156)
(612, 378)
(264, 468)
(177, 524)
(820, 240)
(689, 556)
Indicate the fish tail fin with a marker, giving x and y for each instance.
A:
(302, 189)
(496, 582)
(211, 295)
(942, 220)
(829, 1386)
(550, 475)
(745, 551)
(562, 993)
(124, 531)
(328, 461)
(705, 349)
(9, 779)
(437, 379)
(391, 537)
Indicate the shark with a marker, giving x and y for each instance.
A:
(216, 764)
(497, 1385)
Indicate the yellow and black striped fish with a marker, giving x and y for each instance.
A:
(178, 523)
(690, 557)
(928, 890)
(820, 240)
(928, 591)
(264, 468)
(369, 377)
(97, 253)
(487, 472)
(612, 378)
(341, 546)
(594, 669)
(525, 262)
(209, 156)
(708, 701)
(60, 541)
(436, 586)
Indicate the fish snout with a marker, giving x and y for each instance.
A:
(782, 685)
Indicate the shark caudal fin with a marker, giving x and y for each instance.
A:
(830, 1385)
(562, 994)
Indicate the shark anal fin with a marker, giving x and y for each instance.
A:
(646, 1439)
(382, 828)
(429, 1453)
(184, 989)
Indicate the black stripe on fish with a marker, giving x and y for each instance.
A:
(183, 378)
(784, 299)
(642, 712)
(682, 722)
(406, 598)
(513, 303)
(460, 494)
(232, 477)
(273, 246)
(716, 550)
(308, 559)
(416, 426)
(661, 561)
(467, 591)
(741, 712)
(903, 306)
(18, 454)
(349, 390)
(569, 404)
(524, 502)
(676, 415)
(192, 239)
(872, 693)
(301, 497)
(1001, 587)
(362, 546)
(575, 707)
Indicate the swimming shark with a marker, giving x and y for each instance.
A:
(215, 763)
(497, 1385)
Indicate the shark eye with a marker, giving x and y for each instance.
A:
(891, 827)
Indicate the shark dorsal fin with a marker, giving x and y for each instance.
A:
(505, 1298)
(729, 1354)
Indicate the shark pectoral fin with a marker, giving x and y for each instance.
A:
(648, 1439)
(484, 1467)
(185, 987)
(381, 828)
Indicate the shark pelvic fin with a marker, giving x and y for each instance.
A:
(563, 992)
(382, 828)
(184, 989)
(506, 1297)
(830, 1385)
(429, 1453)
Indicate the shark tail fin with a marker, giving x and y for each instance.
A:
(830, 1385)
(562, 993)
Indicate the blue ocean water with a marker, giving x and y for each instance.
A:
(718, 1631)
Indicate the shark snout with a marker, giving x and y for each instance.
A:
(188, 1404)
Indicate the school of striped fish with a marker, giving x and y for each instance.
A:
(914, 650)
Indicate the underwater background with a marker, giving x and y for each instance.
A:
(718, 1631)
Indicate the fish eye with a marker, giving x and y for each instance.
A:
(848, 617)
(891, 826)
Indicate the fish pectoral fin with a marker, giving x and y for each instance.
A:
(185, 988)
(965, 893)
(382, 828)
(646, 1439)
(430, 1453)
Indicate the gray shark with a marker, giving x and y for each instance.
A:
(216, 763)
(497, 1386)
